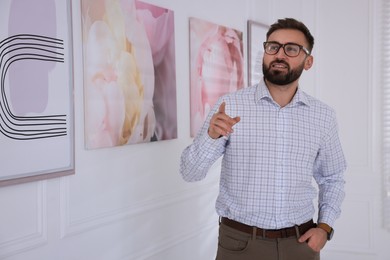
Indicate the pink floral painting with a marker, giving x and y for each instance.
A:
(217, 66)
(129, 73)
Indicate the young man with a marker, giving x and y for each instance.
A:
(274, 138)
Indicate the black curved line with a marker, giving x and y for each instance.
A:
(30, 41)
(4, 72)
(29, 134)
(32, 138)
(33, 54)
(43, 122)
(29, 48)
(31, 37)
(32, 44)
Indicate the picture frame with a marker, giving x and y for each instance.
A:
(129, 72)
(36, 102)
(217, 66)
(256, 36)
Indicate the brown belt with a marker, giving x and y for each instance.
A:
(270, 233)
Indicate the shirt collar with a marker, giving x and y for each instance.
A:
(262, 92)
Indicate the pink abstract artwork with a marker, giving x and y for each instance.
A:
(129, 73)
(217, 66)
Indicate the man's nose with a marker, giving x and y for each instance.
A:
(280, 54)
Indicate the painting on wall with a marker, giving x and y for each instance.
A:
(216, 64)
(36, 103)
(129, 73)
(256, 36)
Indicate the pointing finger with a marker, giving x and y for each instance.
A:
(221, 108)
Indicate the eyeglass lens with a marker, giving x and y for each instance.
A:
(290, 49)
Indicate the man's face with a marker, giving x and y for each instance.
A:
(281, 69)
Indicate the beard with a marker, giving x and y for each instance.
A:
(281, 77)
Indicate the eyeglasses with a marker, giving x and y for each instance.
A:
(290, 49)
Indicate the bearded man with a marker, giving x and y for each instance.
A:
(274, 139)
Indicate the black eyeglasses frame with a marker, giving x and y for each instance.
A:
(307, 52)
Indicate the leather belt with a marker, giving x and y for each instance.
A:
(270, 233)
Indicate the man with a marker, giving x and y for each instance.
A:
(274, 138)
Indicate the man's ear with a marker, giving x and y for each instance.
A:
(309, 62)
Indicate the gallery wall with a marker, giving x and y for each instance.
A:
(126, 202)
(129, 202)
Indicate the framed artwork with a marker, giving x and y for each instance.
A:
(256, 36)
(36, 103)
(129, 73)
(216, 64)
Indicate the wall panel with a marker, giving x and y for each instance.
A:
(23, 220)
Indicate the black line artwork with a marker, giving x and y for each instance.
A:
(19, 48)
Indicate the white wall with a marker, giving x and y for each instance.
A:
(130, 202)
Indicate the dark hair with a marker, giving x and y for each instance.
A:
(291, 23)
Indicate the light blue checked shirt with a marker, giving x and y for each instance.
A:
(271, 158)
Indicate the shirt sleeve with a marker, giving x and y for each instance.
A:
(329, 171)
(197, 158)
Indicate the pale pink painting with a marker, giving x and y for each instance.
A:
(217, 66)
(129, 73)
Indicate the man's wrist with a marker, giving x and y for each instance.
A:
(328, 229)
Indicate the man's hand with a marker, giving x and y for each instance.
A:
(316, 238)
(221, 124)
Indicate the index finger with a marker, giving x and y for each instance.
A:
(221, 108)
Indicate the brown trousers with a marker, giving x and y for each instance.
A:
(237, 245)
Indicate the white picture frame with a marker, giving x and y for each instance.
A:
(37, 103)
